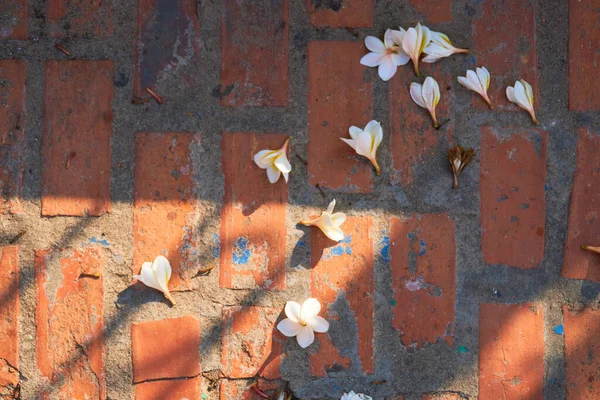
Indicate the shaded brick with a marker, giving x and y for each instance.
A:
(511, 351)
(79, 17)
(12, 134)
(177, 357)
(338, 97)
(433, 11)
(243, 390)
(166, 43)
(179, 389)
(254, 54)
(253, 216)
(76, 140)
(340, 13)
(582, 353)
(584, 57)
(69, 323)
(164, 205)
(513, 202)
(584, 224)
(504, 40)
(13, 19)
(9, 321)
(251, 344)
(423, 263)
(342, 280)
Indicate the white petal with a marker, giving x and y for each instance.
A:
(409, 42)
(431, 93)
(435, 49)
(310, 309)
(425, 37)
(388, 39)
(376, 138)
(528, 91)
(387, 68)
(162, 270)
(350, 142)
(289, 328)
(364, 144)
(521, 96)
(484, 77)
(338, 219)
(463, 81)
(401, 58)
(147, 276)
(292, 311)
(333, 232)
(430, 59)
(372, 126)
(474, 81)
(273, 174)
(354, 131)
(416, 94)
(305, 337)
(319, 324)
(282, 163)
(397, 36)
(264, 158)
(510, 93)
(372, 59)
(374, 44)
(286, 176)
(331, 206)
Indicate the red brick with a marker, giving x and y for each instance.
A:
(180, 389)
(442, 396)
(584, 224)
(513, 203)
(511, 351)
(413, 138)
(251, 344)
(338, 97)
(423, 253)
(433, 11)
(584, 58)
(76, 140)
(243, 390)
(504, 40)
(582, 353)
(12, 134)
(340, 13)
(79, 17)
(13, 19)
(168, 348)
(253, 217)
(70, 324)
(344, 270)
(254, 54)
(9, 320)
(164, 205)
(167, 43)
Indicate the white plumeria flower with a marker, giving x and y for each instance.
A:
(355, 396)
(303, 321)
(440, 47)
(386, 55)
(427, 96)
(522, 95)
(478, 82)
(157, 275)
(366, 141)
(275, 162)
(329, 223)
(414, 42)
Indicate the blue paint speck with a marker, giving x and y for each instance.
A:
(551, 380)
(423, 247)
(473, 60)
(502, 198)
(462, 349)
(559, 330)
(410, 235)
(102, 241)
(393, 302)
(215, 246)
(546, 187)
(385, 248)
(241, 252)
(341, 248)
(301, 243)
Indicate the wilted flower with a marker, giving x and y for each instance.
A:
(156, 275)
(329, 223)
(275, 162)
(386, 55)
(366, 141)
(522, 95)
(303, 321)
(355, 396)
(459, 159)
(414, 42)
(427, 96)
(478, 82)
(440, 46)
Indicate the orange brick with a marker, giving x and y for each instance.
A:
(179, 389)
(12, 133)
(254, 54)
(9, 320)
(423, 253)
(343, 273)
(79, 17)
(340, 13)
(243, 390)
(338, 97)
(13, 19)
(251, 344)
(76, 139)
(511, 351)
(504, 41)
(584, 58)
(582, 354)
(70, 324)
(166, 43)
(513, 203)
(253, 217)
(433, 11)
(164, 205)
(177, 357)
(413, 138)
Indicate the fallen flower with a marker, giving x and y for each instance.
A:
(329, 223)
(366, 141)
(522, 95)
(386, 55)
(355, 396)
(157, 275)
(275, 162)
(303, 321)
(478, 82)
(440, 46)
(459, 159)
(427, 96)
(414, 42)
(591, 248)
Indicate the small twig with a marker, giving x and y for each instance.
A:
(17, 237)
(320, 190)
(89, 275)
(140, 100)
(442, 124)
(159, 100)
(67, 52)
(259, 392)
(302, 159)
(69, 159)
(205, 270)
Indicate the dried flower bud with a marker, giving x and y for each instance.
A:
(459, 159)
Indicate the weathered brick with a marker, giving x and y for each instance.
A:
(9, 321)
(178, 389)
(342, 280)
(412, 135)
(177, 357)
(13, 19)
(76, 140)
(504, 40)
(253, 217)
(164, 204)
(339, 96)
(511, 351)
(79, 17)
(244, 390)
(584, 58)
(69, 323)
(513, 202)
(340, 13)
(12, 134)
(423, 264)
(582, 353)
(251, 344)
(433, 11)
(254, 54)
(167, 43)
